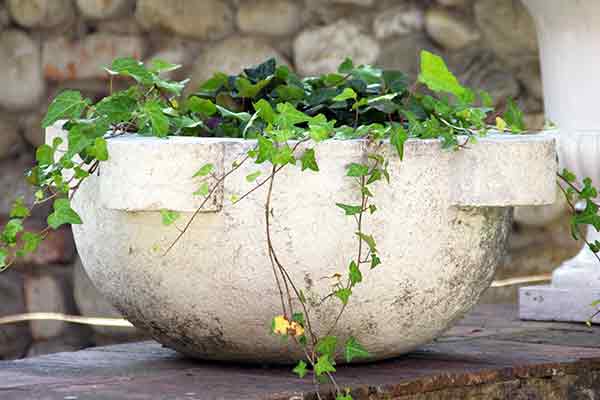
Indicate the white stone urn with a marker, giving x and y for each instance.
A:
(569, 40)
(441, 228)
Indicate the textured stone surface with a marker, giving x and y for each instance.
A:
(478, 68)
(548, 303)
(100, 9)
(474, 240)
(321, 50)
(399, 20)
(363, 3)
(91, 303)
(63, 59)
(12, 180)
(44, 293)
(403, 53)
(232, 56)
(14, 338)
(270, 17)
(10, 140)
(530, 76)
(207, 19)
(20, 62)
(508, 29)
(40, 13)
(449, 29)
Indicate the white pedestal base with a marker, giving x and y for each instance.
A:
(548, 303)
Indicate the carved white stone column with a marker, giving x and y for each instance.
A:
(569, 39)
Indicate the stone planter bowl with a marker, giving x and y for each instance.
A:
(441, 228)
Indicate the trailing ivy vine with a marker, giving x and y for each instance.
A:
(285, 116)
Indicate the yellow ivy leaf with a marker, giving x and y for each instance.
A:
(280, 325)
(500, 124)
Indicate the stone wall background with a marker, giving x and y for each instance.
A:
(50, 45)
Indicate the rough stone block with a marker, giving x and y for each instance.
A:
(40, 13)
(548, 303)
(321, 50)
(63, 59)
(20, 62)
(280, 17)
(206, 19)
(14, 338)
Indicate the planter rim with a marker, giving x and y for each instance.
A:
(491, 136)
(146, 173)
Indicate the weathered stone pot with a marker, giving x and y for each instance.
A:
(441, 228)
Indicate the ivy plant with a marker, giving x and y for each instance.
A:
(285, 116)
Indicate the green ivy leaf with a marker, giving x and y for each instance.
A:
(203, 190)
(326, 346)
(299, 318)
(252, 177)
(514, 117)
(398, 137)
(323, 366)
(300, 369)
(395, 81)
(63, 214)
(437, 77)
(99, 150)
(18, 209)
(118, 107)
(354, 274)
(568, 175)
(265, 111)
(12, 228)
(3, 259)
(67, 105)
(44, 155)
(349, 209)
(31, 242)
(241, 116)
(346, 66)
(213, 84)
(266, 150)
(247, 89)
(369, 240)
(261, 71)
(158, 66)
(158, 120)
(320, 129)
(375, 261)
(133, 68)
(289, 93)
(357, 170)
(308, 160)
(347, 94)
(289, 116)
(169, 217)
(284, 155)
(353, 349)
(202, 106)
(171, 86)
(204, 170)
(343, 294)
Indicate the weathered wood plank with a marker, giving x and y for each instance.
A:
(490, 354)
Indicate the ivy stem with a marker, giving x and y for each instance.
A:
(195, 214)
